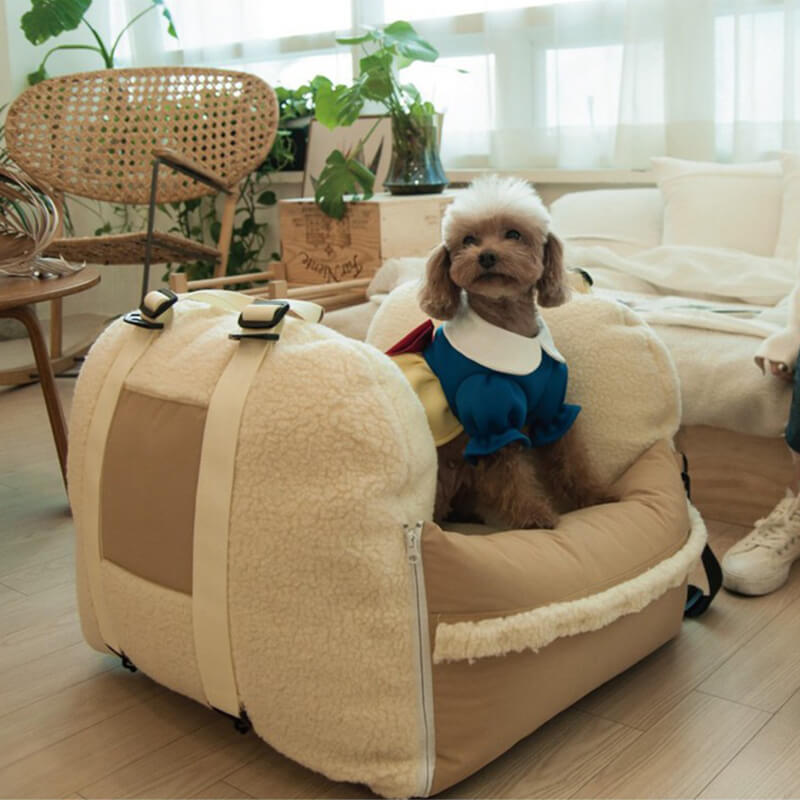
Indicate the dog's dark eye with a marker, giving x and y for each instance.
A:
(469, 240)
(512, 234)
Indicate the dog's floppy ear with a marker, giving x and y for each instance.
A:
(552, 288)
(439, 297)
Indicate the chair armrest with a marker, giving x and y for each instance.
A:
(190, 167)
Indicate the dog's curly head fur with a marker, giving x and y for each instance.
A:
(496, 243)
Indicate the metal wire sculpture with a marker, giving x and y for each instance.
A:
(29, 222)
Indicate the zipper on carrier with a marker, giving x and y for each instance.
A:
(422, 653)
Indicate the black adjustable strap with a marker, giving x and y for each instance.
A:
(696, 600)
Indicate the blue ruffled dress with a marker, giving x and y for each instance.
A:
(494, 405)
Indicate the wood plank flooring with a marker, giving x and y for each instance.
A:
(715, 713)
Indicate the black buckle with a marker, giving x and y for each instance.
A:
(136, 318)
(280, 313)
(282, 309)
(170, 298)
(142, 317)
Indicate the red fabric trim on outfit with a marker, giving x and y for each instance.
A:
(414, 342)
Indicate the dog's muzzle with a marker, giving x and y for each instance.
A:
(487, 259)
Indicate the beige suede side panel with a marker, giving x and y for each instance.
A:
(483, 707)
(475, 577)
(148, 488)
(154, 626)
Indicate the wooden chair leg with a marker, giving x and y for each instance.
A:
(56, 328)
(225, 232)
(27, 316)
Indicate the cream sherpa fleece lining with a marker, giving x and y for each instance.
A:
(535, 629)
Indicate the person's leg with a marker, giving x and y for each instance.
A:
(760, 563)
(793, 426)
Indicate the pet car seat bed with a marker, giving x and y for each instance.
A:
(253, 500)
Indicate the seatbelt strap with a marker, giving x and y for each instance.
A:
(260, 326)
(148, 321)
(697, 601)
(236, 301)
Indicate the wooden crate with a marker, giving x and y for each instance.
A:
(318, 249)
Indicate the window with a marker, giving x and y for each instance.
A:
(424, 9)
(529, 83)
(462, 87)
(203, 24)
(749, 67)
(294, 72)
(583, 86)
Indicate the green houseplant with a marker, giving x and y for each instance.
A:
(415, 167)
(296, 112)
(50, 18)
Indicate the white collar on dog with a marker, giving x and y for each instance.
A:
(495, 347)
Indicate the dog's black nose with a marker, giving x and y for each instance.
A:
(487, 259)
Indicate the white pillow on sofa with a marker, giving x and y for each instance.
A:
(624, 220)
(789, 230)
(735, 206)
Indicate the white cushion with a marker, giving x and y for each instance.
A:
(789, 230)
(735, 206)
(624, 220)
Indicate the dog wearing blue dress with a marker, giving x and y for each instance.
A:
(519, 461)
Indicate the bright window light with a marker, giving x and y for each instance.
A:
(424, 9)
(749, 67)
(294, 72)
(583, 86)
(463, 88)
(204, 23)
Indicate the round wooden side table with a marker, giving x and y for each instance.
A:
(17, 299)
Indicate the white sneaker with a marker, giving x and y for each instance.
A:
(760, 563)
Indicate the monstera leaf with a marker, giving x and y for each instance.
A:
(48, 18)
(408, 43)
(341, 175)
(339, 105)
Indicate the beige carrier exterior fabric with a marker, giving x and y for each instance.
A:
(485, 706)
(363, 640)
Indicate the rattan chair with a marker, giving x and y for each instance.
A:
(103, 135)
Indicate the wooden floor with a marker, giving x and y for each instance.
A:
(715, 713)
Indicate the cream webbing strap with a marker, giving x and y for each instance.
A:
(210, 616)
(144, 333)
(236, 301)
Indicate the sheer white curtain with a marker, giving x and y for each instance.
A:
(538, 83)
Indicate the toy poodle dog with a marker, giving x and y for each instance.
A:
(519, 460)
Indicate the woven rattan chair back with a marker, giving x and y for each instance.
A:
(92, 134)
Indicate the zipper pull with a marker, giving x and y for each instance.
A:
(414, 542)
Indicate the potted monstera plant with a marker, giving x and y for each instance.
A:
(415, 167)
